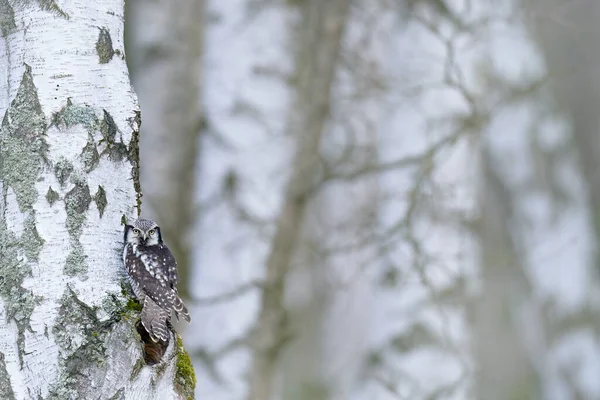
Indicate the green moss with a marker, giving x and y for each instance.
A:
(185, 377)
(130, 307)
(104, 46)
(100, 200)
(133, 305)
(63, 170)
(7, 18)
(52, 196)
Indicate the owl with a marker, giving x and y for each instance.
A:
(152, 272)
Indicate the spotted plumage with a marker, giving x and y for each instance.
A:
(152, 272)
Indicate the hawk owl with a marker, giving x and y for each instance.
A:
(152, 272)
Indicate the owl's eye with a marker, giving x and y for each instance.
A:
(136, 231)
(151, 232)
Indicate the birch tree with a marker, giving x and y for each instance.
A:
(322, 29)
(69, 177)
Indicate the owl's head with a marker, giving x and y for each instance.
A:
(144, 232)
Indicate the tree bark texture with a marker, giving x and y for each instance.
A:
(69, 177)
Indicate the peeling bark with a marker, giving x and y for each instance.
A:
(68, 139)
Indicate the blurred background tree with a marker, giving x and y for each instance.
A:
(378, 199)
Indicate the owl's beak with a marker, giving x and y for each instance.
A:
(144, 239)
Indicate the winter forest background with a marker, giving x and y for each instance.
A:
(392, 199)
(368, 199)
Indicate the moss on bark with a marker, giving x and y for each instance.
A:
(185, 377)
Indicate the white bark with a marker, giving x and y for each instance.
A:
(68, 175)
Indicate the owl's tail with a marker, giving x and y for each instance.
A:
(181, 310)
(154, 320)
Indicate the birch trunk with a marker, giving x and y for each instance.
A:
(68, 177)
(322, 28)
(503, 312)
(329, 290)
(569, 39)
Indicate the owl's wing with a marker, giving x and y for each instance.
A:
(170, 267)
(149, 274)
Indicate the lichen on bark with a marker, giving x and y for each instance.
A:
(52, 7)
(134, 158)
(22, 151)
(90, 156)
(18, 301)
(52, 196)
(115, 149)
(100, 200)
(104, 46)
(7, 18)
(6, 391)
(62, 170)
(74, 114)
(81, 336)
(185, 377)
(77, 203)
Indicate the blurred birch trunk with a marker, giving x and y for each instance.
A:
(165, 42)
(330, 285)
(321, 30)
(569, 37)
(69, 176)
(503, 316)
